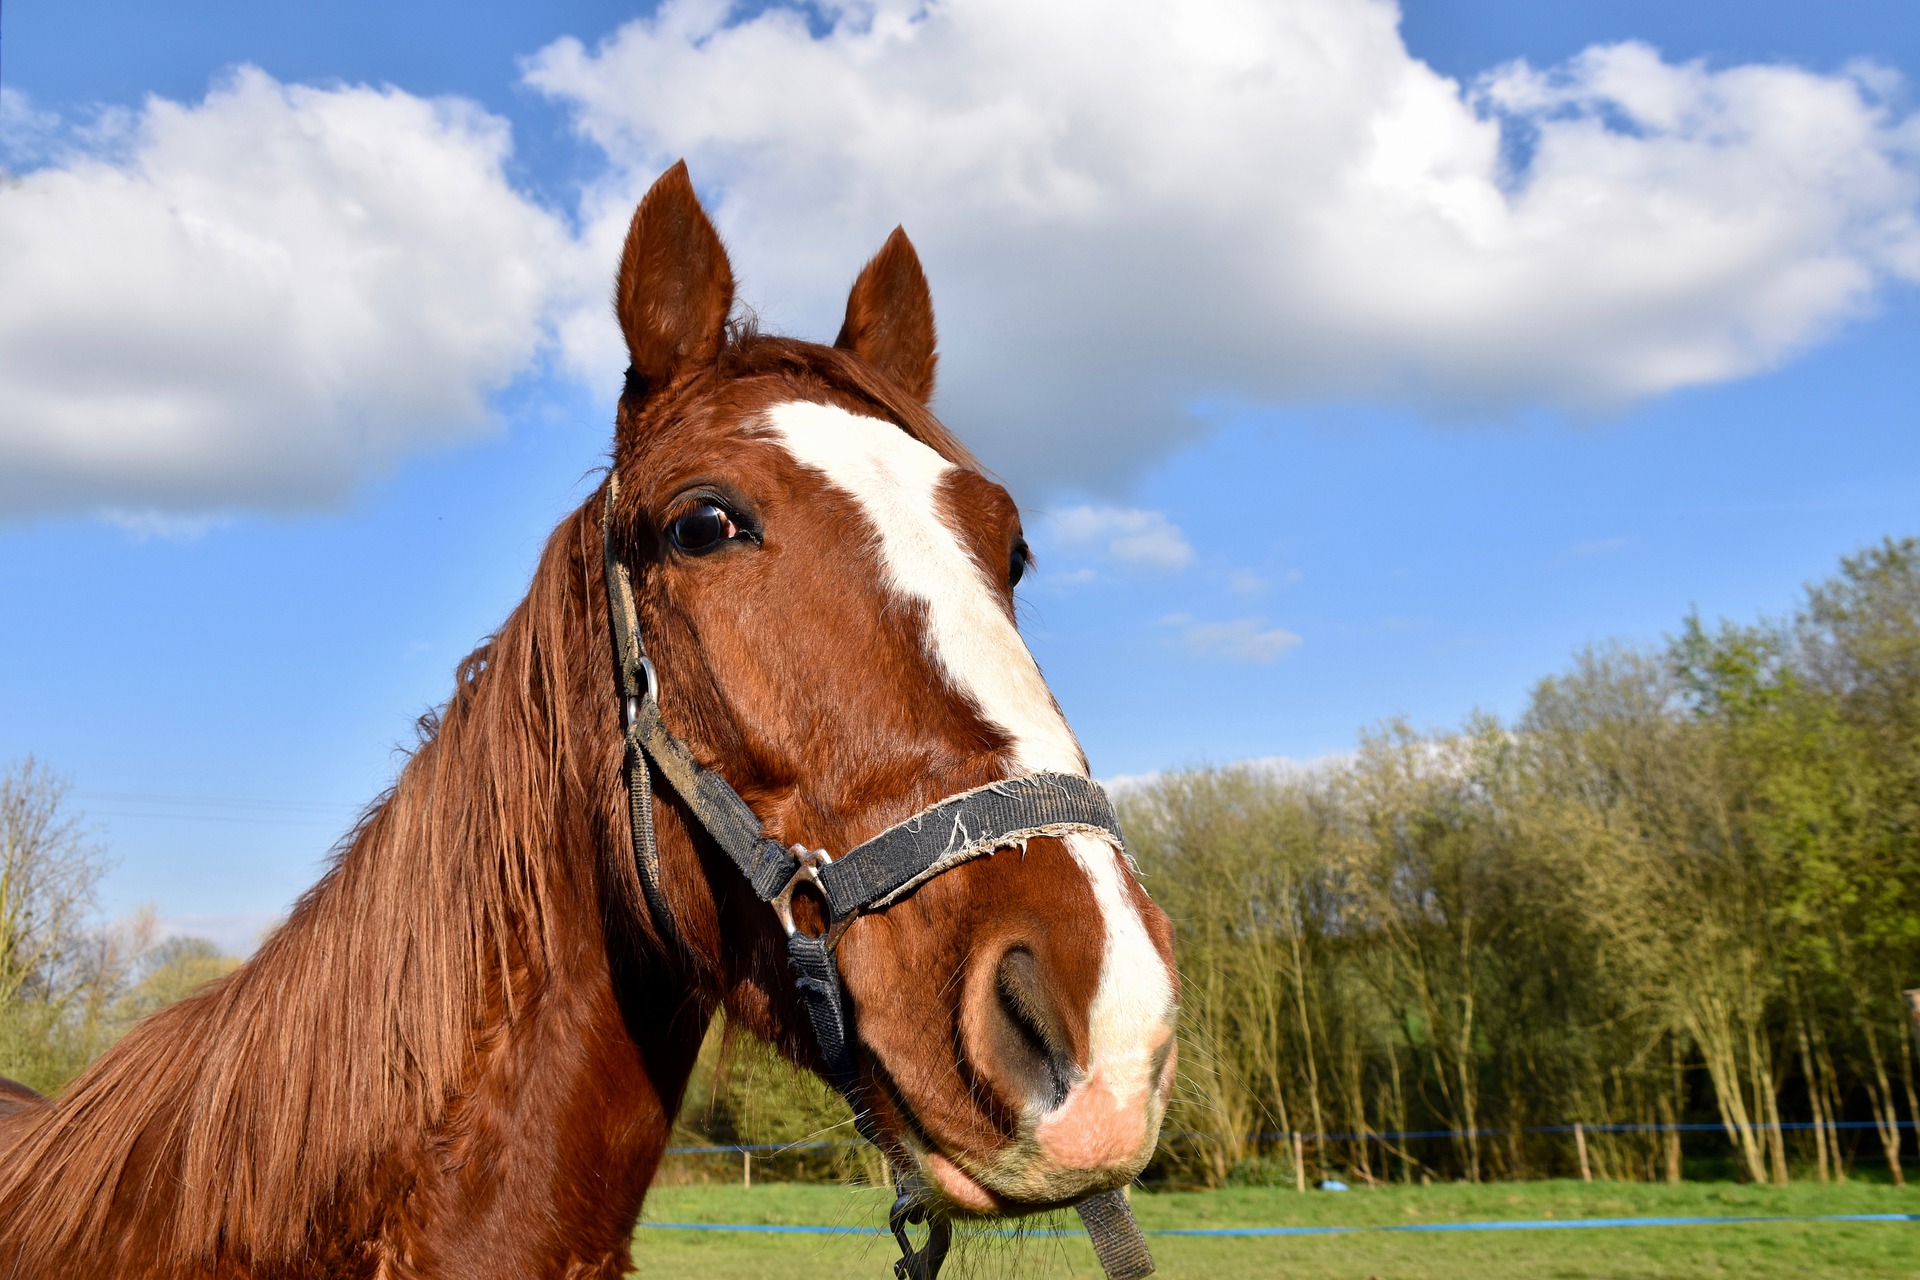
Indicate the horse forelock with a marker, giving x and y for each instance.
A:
(756, 370)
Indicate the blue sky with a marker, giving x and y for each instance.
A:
(1292, 465)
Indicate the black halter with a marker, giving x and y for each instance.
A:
(969, 825)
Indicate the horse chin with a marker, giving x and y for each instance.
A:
(961, 1191)
(963, 1194)
(1015, 1184)
(1099, 1140)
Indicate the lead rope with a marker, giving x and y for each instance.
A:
(894, 862)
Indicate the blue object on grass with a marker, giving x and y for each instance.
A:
(1546, 1224)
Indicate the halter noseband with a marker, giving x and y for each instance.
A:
(877, 873)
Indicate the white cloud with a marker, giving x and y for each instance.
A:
(1242, 640)
(1127, 206)
(26, 132)
(1145, 541)
(254, 300)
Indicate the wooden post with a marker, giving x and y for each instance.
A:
(746, 1170)
(1913, 1013)
(1299, 1162)
(1580, 1141)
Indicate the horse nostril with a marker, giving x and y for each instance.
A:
(1030, 1039)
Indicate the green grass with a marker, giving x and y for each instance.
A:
(1774, 1249)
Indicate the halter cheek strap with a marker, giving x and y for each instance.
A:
(870, 877)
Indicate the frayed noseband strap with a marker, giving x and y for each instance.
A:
(907, 854)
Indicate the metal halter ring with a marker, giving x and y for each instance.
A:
(630, 707)
(807, 867)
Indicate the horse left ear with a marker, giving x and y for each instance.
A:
(890, 318)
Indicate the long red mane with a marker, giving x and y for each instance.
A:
(283, 1104)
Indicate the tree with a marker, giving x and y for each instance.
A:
(169, 972)
(54, 967)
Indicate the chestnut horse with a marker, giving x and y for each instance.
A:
(461, 1055)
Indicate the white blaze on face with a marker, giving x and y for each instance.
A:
(896, 480)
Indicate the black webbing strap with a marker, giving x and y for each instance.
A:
(765, 862)
(818, 978)
(965, 826)
(970, 825)
(728, 819)
(1117, 1239)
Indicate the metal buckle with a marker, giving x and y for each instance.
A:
(922, 1263)
(809, 862)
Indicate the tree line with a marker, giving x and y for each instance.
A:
(1679, 888)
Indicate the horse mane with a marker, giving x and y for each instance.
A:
(236, 1120)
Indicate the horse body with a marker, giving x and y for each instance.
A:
(462, 1054)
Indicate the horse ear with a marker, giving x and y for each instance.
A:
(890, 317)
(675, 287)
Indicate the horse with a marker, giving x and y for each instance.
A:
(461, 1054)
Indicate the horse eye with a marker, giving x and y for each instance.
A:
(701, 528)
(1017, 562)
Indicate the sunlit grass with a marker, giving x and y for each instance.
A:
(1771, 1249)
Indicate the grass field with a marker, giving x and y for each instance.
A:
(1770, 1249)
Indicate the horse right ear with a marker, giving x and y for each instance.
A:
(675, 287)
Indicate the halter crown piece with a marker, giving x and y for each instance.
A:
(969, 825)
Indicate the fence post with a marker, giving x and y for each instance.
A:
(1580, 1141)
(746, 1170)
(1299, 1162)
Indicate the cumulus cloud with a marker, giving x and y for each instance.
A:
(1144, 541)
(1128, 207)
(1128, 210)
(26, 132)
(253, 300)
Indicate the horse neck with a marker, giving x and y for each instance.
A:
(446, 1042)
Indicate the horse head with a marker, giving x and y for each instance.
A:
(825, 580)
